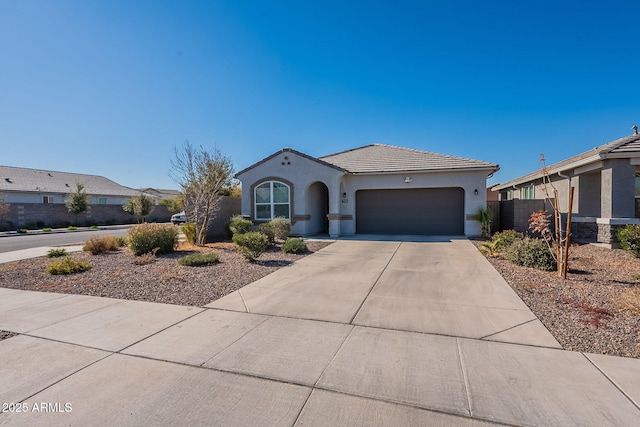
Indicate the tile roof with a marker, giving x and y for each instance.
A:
(621, 147)
(379, 158)
(44, 181)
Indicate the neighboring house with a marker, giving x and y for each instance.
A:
(22, 185)
(38, 197)
(605, 181)
(161, 193)
(375, 189)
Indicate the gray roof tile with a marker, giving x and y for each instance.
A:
(629, 145)
(44, 181)
(379, 158)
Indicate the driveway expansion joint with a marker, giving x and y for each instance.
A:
(615, 384)
(375, 283)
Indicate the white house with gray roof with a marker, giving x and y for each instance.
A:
(606, 188)
(22, 185)
(375, 189)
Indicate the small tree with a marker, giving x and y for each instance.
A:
(144, 206)
(203, 177)
(78, 201)
(4, 209)
(130, 208)
(562, 238)
(141, 206)
(173, 205)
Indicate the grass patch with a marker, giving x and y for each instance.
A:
(101, 245)
(199, 259)
(68, 265)
(294, 245)
(56, 253)
(629, 301)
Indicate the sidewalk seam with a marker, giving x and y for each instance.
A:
(464, 377)
(595, 365)
(375, 283)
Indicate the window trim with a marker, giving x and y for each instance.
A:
(529, 192)
(47, 200)
(271, 180)
(272, 204)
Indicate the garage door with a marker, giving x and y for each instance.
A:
(435, 211)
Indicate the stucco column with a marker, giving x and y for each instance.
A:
(617, 189)
(334, 210)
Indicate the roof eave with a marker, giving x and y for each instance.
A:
(287, 150)
(492, 168)
(551, 171)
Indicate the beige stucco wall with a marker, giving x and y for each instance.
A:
(299, 171)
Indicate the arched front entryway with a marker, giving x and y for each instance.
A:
(318, 207)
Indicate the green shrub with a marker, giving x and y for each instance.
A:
(267, 229)
(55, 253)
(281, 227)
(239, 225)
(122, 241)
(72, 228)
(144, 238)
(295, 245)
(251, 245)
(504, 239)
(23, 231)
(198, 259)
(189, 230)
(93, 227)
(47, 230)
(68, 265)
(532, 253)
(101, 245)
(629, 238)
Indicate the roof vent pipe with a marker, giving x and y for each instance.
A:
(635, 129)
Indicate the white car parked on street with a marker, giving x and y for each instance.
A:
(178, 218)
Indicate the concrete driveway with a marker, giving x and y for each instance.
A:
(364, 332)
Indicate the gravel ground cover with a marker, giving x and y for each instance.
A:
(596, 309)
(115, 275)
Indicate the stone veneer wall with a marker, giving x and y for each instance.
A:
(584, 231)
(607, 234)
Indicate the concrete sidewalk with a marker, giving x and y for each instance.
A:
(35, 252)
(360, 333)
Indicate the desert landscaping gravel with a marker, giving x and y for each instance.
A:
(115, 275)
(595, 310)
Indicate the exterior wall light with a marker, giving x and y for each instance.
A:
(475, 192)
(407, 179)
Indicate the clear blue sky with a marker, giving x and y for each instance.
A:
(109, 87)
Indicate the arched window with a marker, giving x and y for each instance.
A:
(272, 200)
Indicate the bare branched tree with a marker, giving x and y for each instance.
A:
(562, 237)
(203, 176)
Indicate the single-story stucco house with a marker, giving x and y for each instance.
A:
(606, 188)
(375, 189)
(23, 185)
(36, 196)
